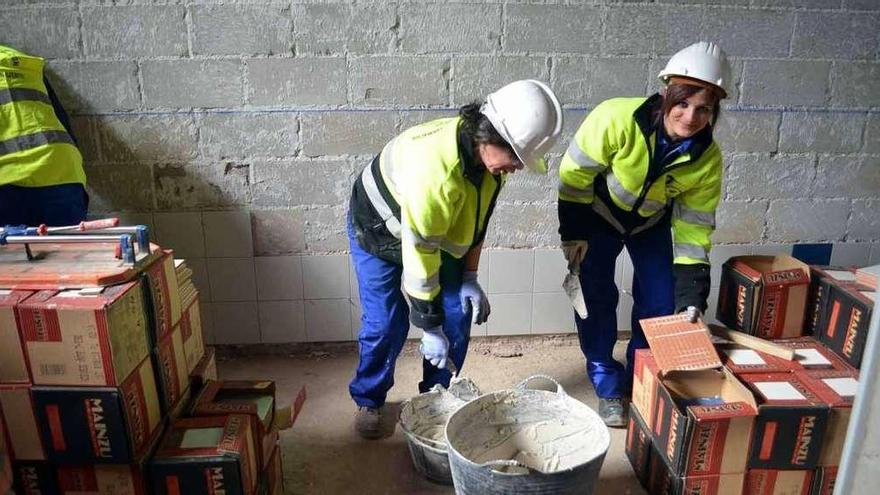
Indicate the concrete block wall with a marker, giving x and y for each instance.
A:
(234, 129)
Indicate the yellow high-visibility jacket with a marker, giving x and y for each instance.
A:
(427, 192)
(607, 166)
(35, 149)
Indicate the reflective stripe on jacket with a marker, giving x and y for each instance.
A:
(607, 165)
(427, 191)
(35, 149)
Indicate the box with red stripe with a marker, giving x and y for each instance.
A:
(778, 482)
(645, 380)
(765, 296)
(34, 478)
(5, 460)
(638, 445)
(206, 455)
(22, 427)
(99, 479)
(663, 480)
(822, 278)
(81, 425)
(88, 337)
(812, 355)
(824, 479)
(272, 480)
(13, 366)
(205, 371)
(170, 363)
(837, 389)
(740, 360)
(848, 315)
(163, 295)
(791, 422)
(193, 338)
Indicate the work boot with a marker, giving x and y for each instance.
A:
(368, 422)
(611, 412)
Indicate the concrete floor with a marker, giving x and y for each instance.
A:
(322, 454)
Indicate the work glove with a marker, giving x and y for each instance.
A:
(574, 252)
(472, 294)
(435, 346)
(693, 313)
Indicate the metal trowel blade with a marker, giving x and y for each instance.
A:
(572, 287)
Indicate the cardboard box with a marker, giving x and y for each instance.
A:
(775, 482)
(765, 296)
(5, 460)
(638, 445)
(741, 360)
(213, 454)
(824, 479)
(821, 280)
(99, 479)
(645, 380)
(791, 422)
(23, 429)
(662, 480)
(811, 355)
(837, 389)
(272, 480)
(89, 337)
(193, 339)
(868, 276)
(170, 364)
(703, 418)
(35, 478)
(206, 370)
(164, 297)
(845, 329)
(13, 365)
(81, 425)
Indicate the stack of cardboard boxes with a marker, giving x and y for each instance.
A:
(729, 419)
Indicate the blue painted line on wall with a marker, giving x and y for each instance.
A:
(813, 254)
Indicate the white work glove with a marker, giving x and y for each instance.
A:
(574, 252)
(435, 346)
(471, 293)
(693, 313)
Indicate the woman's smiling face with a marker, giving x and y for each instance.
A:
(689, 117)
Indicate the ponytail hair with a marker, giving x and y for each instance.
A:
(478, 127)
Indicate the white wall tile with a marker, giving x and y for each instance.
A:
(624, 311)
(875, 254)
(207, 310)
(850, 254)
(279, 278)
(228, 234)
(483, 271)
(550, 270)
(552, 313)
(511, 271)
(200, 279)
(326, 277)
(713, 306)
(181, 232)
(353, 287)
(623, 273)
(232, 279)
(236, 323)
(282, 322)
(511, 315)
(328, 320)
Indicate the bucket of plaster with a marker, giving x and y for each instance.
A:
(532, 439)
(423, 419)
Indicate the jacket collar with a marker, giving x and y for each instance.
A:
(644, 118)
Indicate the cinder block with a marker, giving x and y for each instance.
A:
(196, 83)
(807, 221)
(553, 29)
(477, 76)
(804, 4)
(181, 231)
(126, 138)
(860, 4)
(646, 29)
(344, 28)
(410, 118)
(95, 86)
(202, 185)
(762, 176)
(785, 82)
(278, 232)
(748, 131)
(83, 129)
(872, 134)
(589, 81)
(425, 28)
(248, 134)
(523, 226)
(135, 31)
(571, 122)
(739, 221)
(325, 229)
(228, 234)
(347, 133)
(829, 132)
(392, 80)
(851, 253)
(42, 31)
(303, 182)
(527, 187)
(749, 33)
(241, 29)
(119, 187)
(855, 84)
(282, 322)
(847, 177)
(844, 35)
(297, 81)
(733, 89)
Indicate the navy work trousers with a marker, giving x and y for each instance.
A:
(653, 295)
(65, 204)
(385, 324)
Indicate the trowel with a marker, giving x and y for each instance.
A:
(572, 287)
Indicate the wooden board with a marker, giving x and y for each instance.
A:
(68, 266)
(752, 342)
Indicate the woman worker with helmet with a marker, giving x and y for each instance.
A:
(419, 213)
(644, 173)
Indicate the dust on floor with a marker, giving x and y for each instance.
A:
(323, 455)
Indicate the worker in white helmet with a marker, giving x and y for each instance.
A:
(418, 215)
(644, 173)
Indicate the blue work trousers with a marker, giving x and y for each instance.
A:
(65, 204)
(652, 292)
(385, 324)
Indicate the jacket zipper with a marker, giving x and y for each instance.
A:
(650, 182)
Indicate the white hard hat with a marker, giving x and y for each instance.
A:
(703, 61)
(528, 116)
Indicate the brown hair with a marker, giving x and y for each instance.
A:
(677, 93)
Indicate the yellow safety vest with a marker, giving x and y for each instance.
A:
(35, 149)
